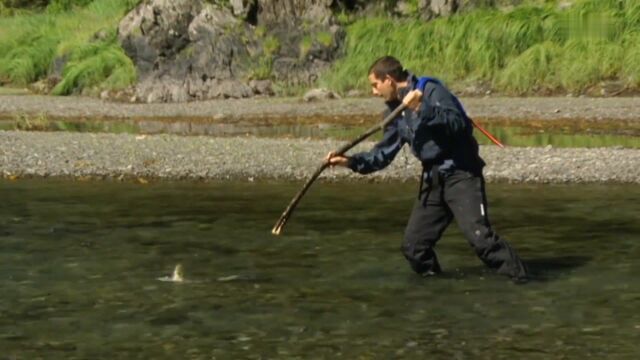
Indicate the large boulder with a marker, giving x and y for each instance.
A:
(191, 49)
(182, 50)
(156, 30)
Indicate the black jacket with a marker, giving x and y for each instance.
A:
(439, 133)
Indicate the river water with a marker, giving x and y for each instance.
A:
(80, 263)
(560, 133)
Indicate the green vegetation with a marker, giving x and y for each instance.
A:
(271, 46)
(305, 45)
(538, 47)
(260, 31)
(529, 49)
(261, 69)
(100, 64)
(57, 6)
(325, 38)
(29, 42)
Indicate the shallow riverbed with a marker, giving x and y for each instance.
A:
(81, 262)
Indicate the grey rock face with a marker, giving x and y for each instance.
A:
(192, 50)
(243, 8)
(181, 50)
(291, 11)
(156, 29)
(428, 9)
(443, 7)
(261, 87)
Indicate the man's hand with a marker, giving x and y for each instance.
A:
(413, 100)
(334, 159)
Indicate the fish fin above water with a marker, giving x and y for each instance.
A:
(176, 276)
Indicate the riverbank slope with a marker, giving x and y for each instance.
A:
(169, 157)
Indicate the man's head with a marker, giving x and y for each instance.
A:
(384, 76)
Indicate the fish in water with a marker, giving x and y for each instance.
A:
(177, 276)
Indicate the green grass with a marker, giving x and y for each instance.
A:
(30, 42)
(521, 51)
(533, 48)
(98, 64)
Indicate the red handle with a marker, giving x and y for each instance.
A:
(487, 134)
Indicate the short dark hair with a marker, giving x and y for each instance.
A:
(388, 65)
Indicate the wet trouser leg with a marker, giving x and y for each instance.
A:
(460, 195)
(464, 194)
(429, 218)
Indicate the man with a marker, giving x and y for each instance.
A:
(439, 133)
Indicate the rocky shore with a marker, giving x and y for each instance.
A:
(173, 157)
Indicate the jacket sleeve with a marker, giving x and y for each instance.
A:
(382, 153)
(441, 109)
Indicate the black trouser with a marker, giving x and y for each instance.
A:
(460, 195)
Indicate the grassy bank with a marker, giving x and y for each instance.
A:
(536, 48)
(527, 50)
(30, 41)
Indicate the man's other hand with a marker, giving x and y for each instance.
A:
(332, 159)
(413, 100)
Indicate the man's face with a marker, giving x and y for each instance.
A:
(385, 88)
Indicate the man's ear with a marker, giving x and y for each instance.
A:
(390, 79)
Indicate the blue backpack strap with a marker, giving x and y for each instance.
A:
(422, 83)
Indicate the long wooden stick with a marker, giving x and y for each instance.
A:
(277, 228)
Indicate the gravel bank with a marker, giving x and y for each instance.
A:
(24, 154)
(123, 156)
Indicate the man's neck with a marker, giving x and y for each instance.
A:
(402, 84)
(403, 87)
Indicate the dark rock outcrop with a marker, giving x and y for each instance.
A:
(191, 50)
